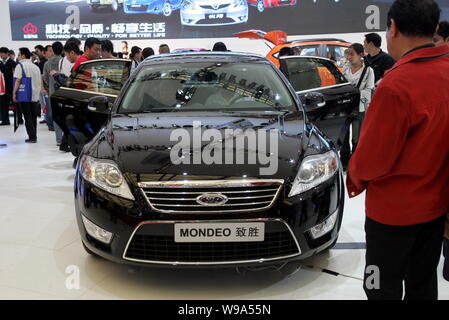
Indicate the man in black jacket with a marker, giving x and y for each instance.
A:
(376, 58)
(8, 65)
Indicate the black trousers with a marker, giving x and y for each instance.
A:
(4, 109)
(403, 256)
(29, 110)
(345, 151)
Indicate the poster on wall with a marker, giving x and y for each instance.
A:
(174, 19)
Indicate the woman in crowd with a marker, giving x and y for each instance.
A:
(136, 57)
(361, 76)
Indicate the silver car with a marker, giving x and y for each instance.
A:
(213, 12)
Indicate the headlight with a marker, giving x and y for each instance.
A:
(314, 170)
(239, 3)
(187, 5)
(105, 175)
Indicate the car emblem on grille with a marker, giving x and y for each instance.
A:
(212, 199)
(216, 6)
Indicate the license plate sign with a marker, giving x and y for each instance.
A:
(219, 232)
(215, 16)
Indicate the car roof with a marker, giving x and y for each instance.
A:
(193, 56)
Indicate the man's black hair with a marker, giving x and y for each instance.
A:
(4, 50)
(107, 45)
(47, 47)
(74, 40)
(25, 52)
(415, 18)
(90, 42)
(147, 52)
(41, 48)
(374, 38)
(443, 29)
(286, 51)
(58, 48)
(72, 46)
(219, 46)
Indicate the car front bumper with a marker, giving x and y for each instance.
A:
(287, 225)
(205, 17)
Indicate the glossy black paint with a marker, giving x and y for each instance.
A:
(140, 144)
(70, 105)
(341, 100)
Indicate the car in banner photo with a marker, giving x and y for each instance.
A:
(320, 47)
(113, 4)
(139, 201)
(166, 7)
(213, 12)
(263, 4)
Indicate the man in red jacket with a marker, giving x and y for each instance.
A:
(402, 159)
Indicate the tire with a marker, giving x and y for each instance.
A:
(167, 10)
(260, 6)
(114, 5)
(340, 219)
(90, 252)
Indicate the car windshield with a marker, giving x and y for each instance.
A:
(203, 86)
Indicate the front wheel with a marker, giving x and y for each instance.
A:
(260, 6)
(90, 252)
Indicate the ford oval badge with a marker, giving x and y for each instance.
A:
(212, 199)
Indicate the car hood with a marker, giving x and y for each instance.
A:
(142, 145)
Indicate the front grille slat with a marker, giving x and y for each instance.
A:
(225, 191)
(200, 206)
(181, 197)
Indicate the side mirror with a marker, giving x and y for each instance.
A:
(314, 100)
(99, 104)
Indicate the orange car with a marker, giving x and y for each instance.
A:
(327, 48)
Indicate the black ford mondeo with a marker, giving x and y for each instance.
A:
(209, 159)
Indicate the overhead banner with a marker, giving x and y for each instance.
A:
(174, 19)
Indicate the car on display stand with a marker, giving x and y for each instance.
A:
(135, 205)
(213, 13)
(263, 4)
(166, 7)
(320, 47)
(113, 4)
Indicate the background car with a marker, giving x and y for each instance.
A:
(210, 13)
(262, 4)
(165, 7)
(113, 4)
(320, 47)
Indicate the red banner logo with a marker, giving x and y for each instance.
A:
(30, 28)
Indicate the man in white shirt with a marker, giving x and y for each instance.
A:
(29, 108)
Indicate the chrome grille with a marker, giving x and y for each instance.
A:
(181, 196)
(221, 6)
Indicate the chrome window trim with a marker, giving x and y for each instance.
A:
(175, 263)
(213, 184)
(91, 92)
(322, 88)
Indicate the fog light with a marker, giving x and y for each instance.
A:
(324, 227)
(96, 232)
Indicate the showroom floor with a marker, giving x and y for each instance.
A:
(40, 247)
